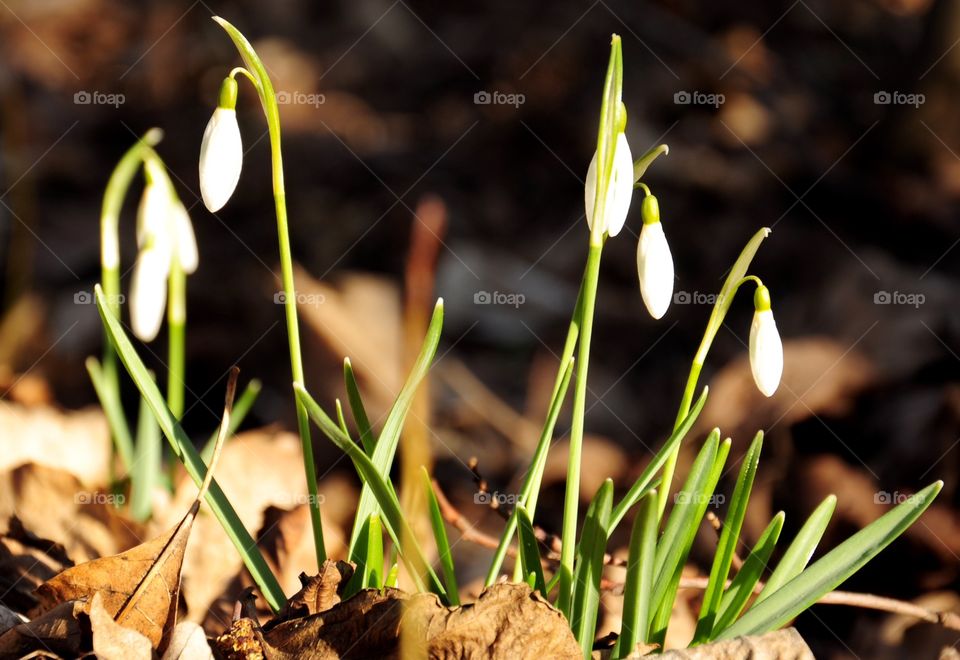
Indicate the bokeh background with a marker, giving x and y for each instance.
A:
(833, 123)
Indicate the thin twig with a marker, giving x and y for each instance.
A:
(717, 525)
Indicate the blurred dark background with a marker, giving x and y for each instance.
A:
(835, 124)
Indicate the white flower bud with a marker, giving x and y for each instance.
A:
(766, 349)
(655, 267)
(221, 157)
(617, 201)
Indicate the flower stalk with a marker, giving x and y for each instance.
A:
(257, 74)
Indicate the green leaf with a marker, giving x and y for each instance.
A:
(645, 480)
(184, 450)
(639, 582)
(799, 552)
(113, 411)
(611, 117)
(146, 465)
(741, 587)
(397, 525)
(241, 408)
(681, 529)
(530, 551)
(589, 567)
(358, 409)
(831, 570)
(386, 448)
(727, 545)
(531, 484)
(443, 543)
(369, 571)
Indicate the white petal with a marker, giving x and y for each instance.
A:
(766, 352)
(221, 157)
(148, 293)
(655, 267)
(153, 214)
(621, 186)
(185, 241)
(590, 191)
(617, 201)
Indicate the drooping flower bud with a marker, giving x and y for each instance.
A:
(221, 152)
(766, 349)
(654, 261)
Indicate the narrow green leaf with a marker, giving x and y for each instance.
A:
(531, 484)
(386, 446)
(727, 545)
(241, 407)
(147, 464)
(799, 552)
(393, 577)
(398, 527)
(530, 551)
(369, 571)
(589, 567)
(831, 570)
(645, 480)
(113, 411)
(639, 582)
(741, 587)
(681, 530)
(646, 160)
(357, 408)
(443, 543)
(184, 450)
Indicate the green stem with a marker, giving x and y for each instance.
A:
(113, 197)
(272, 113)
(572, 495)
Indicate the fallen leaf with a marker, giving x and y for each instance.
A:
(57, 630)
(188, 642)
(112, 641)
(320, 592)
(506, 621)
(140, 587)
(786, 644)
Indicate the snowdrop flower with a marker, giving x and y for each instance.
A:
(164, 234)
(221, 152)
(766, 350)
(654, 261)
(617, 201)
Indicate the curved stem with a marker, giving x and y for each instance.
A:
(113, 197)
(271, 111)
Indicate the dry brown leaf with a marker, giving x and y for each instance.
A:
(26, 562)
(111, 641)
(786, 644)
(75, 442)
(57, 630)
(188, 642)
(507, 621)
(320, 592)
(54, 504)
(140, 587)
